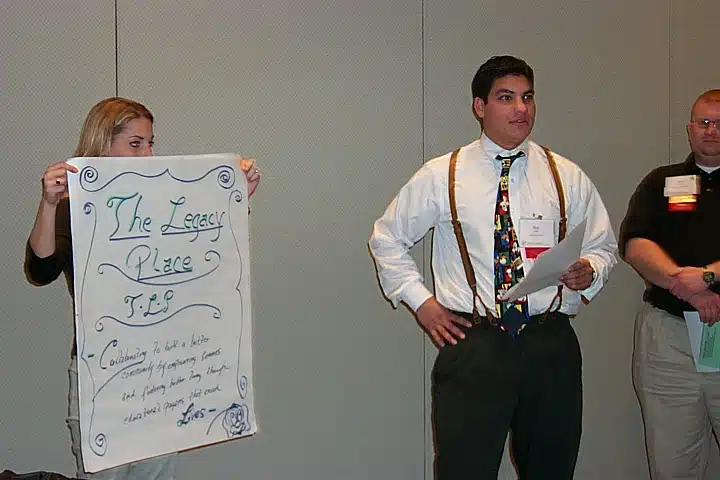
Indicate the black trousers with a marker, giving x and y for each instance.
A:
(489, 384)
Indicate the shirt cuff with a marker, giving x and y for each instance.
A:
(598, 280)
(415, 295)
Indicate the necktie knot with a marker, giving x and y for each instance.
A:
(508, 161)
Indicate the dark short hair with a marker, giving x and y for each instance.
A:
(498, 67)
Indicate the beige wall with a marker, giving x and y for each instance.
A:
(341, 102)
(52, 64)
(694, 65)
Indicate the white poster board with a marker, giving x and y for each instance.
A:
(162, 305)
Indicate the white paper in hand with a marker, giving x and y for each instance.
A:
(550, 265)
(695, 332)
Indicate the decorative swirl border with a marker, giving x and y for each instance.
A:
(89, 175)
(241, 381)
(98, 444)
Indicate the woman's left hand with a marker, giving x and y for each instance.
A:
(251, 173)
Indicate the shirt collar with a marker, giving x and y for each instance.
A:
(493, 150)
(692, 167)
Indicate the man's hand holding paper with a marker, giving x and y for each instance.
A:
(560, 264)
(579, 275)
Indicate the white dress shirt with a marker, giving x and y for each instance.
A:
(424, 204)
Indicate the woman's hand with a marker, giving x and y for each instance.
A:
(55, 182)
(251, 173)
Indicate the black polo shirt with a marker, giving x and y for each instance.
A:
(691, 239)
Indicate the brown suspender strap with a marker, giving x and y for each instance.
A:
(560, 192)
(462, 245)
(563, 215)
(469, 272)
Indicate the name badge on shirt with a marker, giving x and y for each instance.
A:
(537, 235)
(681, 192)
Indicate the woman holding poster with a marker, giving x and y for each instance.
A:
(115, 127)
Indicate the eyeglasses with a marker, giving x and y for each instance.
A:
(704, 123)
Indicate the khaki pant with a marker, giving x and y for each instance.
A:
(160, 468)
(680, 406)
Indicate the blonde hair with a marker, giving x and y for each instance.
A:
(105, 120)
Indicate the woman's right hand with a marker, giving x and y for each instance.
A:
(55, 182)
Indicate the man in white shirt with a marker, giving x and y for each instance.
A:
(502, 366)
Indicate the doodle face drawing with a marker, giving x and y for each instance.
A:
(235, 422)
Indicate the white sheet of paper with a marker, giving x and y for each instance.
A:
(695, 328)
(162, 305)
(549, 266)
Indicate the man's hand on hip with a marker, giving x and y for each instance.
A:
(440, 323)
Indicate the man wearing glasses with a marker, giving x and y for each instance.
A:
(671, 237)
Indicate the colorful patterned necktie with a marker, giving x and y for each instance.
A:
(508, 260)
